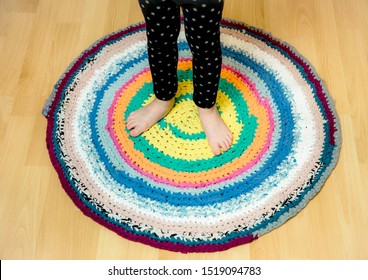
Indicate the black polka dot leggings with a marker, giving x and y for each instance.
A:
(201, 21)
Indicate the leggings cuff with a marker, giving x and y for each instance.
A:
(165, 98)
(204, 105)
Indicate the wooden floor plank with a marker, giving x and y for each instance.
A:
(38, 40)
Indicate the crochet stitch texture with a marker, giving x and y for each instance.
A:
(165, 188)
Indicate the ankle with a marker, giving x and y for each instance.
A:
(207, 111)
(165, 102)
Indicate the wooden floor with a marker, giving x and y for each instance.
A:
(39, 38)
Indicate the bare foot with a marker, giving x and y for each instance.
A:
(141, 120)
(218, 134)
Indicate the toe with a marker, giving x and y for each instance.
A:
(230, 136)
(131, 116)
(216, 150)
(225, 145)
(229, 140)
(131, 124)
(135, 132)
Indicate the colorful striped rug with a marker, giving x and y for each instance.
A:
(165, 188)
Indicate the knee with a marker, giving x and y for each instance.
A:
(207, 49)
(204, 44)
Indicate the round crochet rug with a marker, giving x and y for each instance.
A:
(165, 188)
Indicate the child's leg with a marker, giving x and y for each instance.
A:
(163, 27)
(202, 31)
(203, 35)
